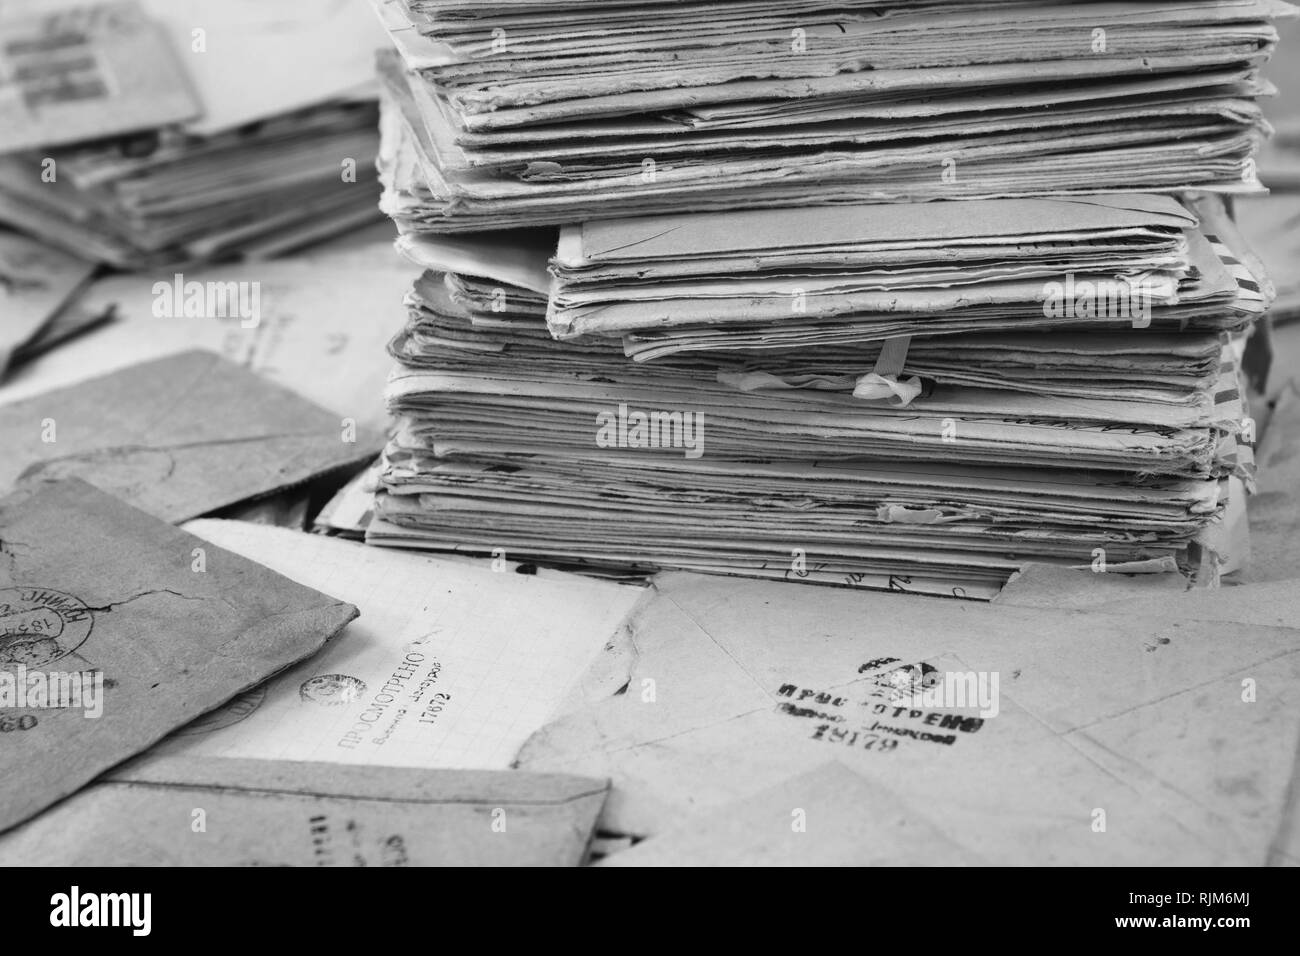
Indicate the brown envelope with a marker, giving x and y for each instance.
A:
(108, 609)
(206, 812)
(177, 437)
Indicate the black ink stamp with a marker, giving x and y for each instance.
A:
(39, 626)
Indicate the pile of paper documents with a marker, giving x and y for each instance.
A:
(505, 113)
(847, 389)
(249, 135)
(730, 453)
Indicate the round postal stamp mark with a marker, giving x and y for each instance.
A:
(39, 626)
(332, 690)
(227, 715)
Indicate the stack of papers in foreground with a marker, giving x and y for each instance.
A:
(250, 133)
(505, 113)
(798, 376)
(741, 453)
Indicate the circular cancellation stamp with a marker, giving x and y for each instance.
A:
(39, 626)
(231, 713)
(332, 690)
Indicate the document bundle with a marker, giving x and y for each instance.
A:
(692, 300)
(502, 113)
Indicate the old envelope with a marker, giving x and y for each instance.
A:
(117, 628)
(452, 665)
(202, 812)
(356, 755)
(813, 819)
(1163, 735)
(177, 437)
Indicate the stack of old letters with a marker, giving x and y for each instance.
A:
(751, 347)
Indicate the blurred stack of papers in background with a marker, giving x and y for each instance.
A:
(165, 132)
(856, 387)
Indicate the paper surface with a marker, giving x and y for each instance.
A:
(177, 437)
(829, 816)
(36, 283)
(259, 813)
(1049, 586)
(733, 686)
(173, 626)
(66, 325)
(453, 665)
(1274, 511)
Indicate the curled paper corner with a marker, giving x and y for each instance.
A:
(899, 392)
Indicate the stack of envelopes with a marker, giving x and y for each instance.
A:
(214, 151)
(916, 395)
(172, 197)
(990, 448)
(555, 111)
